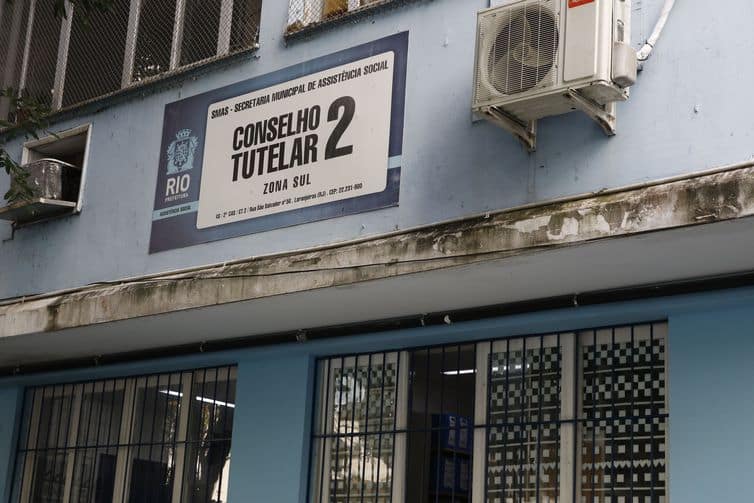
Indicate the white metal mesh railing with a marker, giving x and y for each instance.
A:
(304, 15)
(65, 61)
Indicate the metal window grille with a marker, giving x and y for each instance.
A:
(357, 430)
(64, 62)
(306, 15)
(572, 417)
(163, 437)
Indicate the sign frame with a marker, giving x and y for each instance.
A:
(174, 218)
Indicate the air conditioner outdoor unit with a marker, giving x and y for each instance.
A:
(537, 58)
(55, 185)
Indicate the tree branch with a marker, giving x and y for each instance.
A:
(31, 117)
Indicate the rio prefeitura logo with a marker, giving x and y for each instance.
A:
(181, 152)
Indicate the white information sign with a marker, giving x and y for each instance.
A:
(310, 141)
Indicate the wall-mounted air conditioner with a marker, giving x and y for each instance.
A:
(537, 58)
(55, 185)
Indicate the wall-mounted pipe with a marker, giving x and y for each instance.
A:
(646, 51)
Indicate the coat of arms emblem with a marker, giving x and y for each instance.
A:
(181, 152)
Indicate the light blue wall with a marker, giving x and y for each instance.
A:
(452, 167)
(711, 389)
(712, 406)
(272, 399)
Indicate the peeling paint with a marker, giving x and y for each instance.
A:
(532, 224)
(568, 227)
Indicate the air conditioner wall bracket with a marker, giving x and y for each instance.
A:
(525, 131)
(604, 115)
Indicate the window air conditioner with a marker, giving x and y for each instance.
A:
(55, 185)
(537, 58)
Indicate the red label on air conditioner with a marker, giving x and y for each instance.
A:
(576, 3)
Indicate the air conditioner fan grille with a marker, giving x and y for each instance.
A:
(518, 49)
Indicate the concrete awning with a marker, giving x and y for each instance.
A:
(690, 228)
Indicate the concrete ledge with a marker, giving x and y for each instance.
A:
(721, 196)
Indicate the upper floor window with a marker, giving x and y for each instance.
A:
(304, 14)
(162, 438)
(570, 417)
(66, 61)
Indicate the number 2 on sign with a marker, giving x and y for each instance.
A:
(348, 104)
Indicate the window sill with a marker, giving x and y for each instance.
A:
(36, 210)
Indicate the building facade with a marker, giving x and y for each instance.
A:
(295, 266)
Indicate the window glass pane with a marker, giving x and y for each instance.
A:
(124, 440)
(245, 25)
(201, 25)
(155, 425)
(304, 12)
(210, 426)
(441, 424)
(100, 416)
(95, 54)
(96, 51)
(624, 435)
(356, 431)
(43, 53)
(48, 459)
(523, 446)
(154, 39)
(26, 443)
(364, 401)
(334, 8)
(12, 39)
(558, 417)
